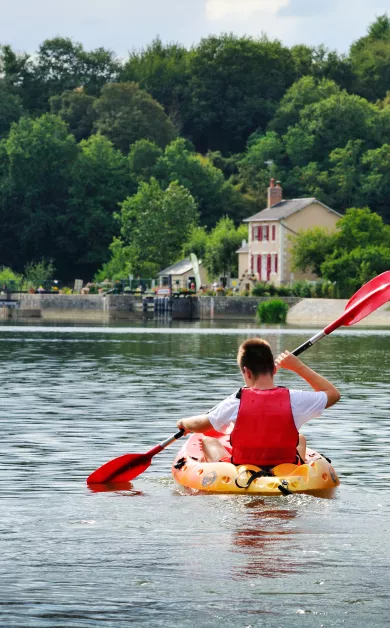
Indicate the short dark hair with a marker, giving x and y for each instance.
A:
(256, 355)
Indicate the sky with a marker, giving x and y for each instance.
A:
(126, 25)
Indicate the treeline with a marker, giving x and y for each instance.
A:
(84, 135)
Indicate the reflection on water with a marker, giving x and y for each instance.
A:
(268, 549)
(73, 398)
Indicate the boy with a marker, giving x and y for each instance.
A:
(266, 418)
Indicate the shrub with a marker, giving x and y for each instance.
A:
(9, 279)
(272, 311)
(260, 289)
(284, 291)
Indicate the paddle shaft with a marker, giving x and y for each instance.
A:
(351, 312)
(163, 445)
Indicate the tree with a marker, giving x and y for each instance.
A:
(196, 242)
(161, 70)
(11, 108)
(37, 163)
(100, 182)
(306, 91)
(213, 195)
(143, 157)
(370, 59)
(262, 160)
(223, 241)
(359, 250)
(76, 109)
(374, 180)
(311, 248)
(330, 124)
(234, 86)
(154, 225)
(125, 114)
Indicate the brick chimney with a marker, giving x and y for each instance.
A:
(275, 193)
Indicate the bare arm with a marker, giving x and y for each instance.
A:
(195, 424)
(289, 361)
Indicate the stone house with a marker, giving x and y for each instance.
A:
(266, 255)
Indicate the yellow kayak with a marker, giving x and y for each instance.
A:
(316, 476)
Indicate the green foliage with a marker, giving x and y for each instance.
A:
(227, 103)
(125, 113)
(310, 249)
(37, 161)
(8, 276)
(358, 251)
(370, 60)
(222, 243)
(272, 311)
(76, 109)
(161, 70)
(100, 182)
(196, 242)
(36, 274)
(154, 225)
(11, 108)
(143, 157)
(214, 195)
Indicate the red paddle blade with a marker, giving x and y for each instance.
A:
(122, 469)
(371, 302)
(370, 286)
(359, 309)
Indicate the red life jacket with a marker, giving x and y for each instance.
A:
(265, 433)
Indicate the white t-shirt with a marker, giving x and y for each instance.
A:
(305, 405)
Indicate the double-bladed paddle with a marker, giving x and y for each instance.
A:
(366, 300)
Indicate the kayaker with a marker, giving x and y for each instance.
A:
(266, 417)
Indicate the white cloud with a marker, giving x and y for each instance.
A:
(219, 9)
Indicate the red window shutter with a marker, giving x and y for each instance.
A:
(274, 232)
(268, 266)
(259, 233)
(276, 262)
(251, 263)
(259, 266)
(266, 237)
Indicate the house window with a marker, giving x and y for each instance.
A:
(273, 233)
(265, 232)
(275, 263)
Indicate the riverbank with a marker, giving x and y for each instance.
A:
(99, 308)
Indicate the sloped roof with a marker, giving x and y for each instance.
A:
(180, 268)
(285, 208)
(243, 249)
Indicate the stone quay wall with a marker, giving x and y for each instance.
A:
(75, 307)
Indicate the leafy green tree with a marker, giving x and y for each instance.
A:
(100, 181)
(359, 250)
(345, 172)
(303, 92)
(125, 114)
(196, 242)
(143, 157)
(370, 59)
(222, 243)
(262, 161)
(311, 248)
(213, 194)
(234, 86)
(38, 273)
(19, 74)
(76, 108)
(331, 123)
(37, 163)
(11, 108)
(154, 225)
(374, 180)
(162, 71)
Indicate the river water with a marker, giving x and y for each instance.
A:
(72, 398)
